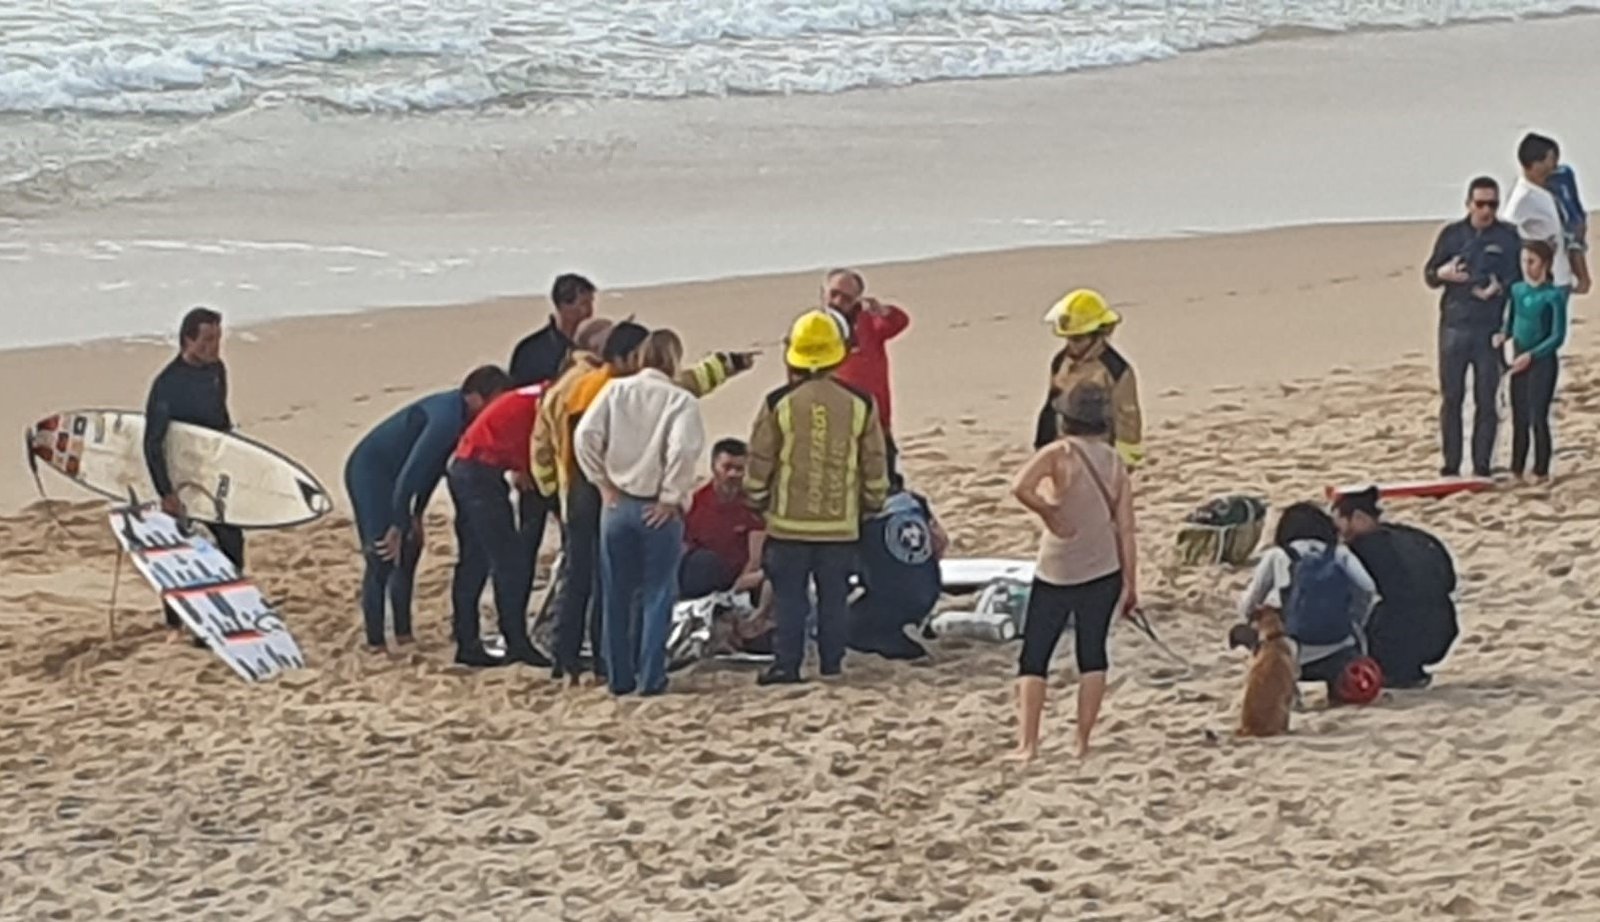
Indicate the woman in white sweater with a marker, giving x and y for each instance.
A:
(641, 444)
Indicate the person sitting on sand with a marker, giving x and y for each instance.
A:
(1536, 327)
(816, 467)
(1084, 320)
(1088, 560)
(390, 477)
(1415, 620)
(898, 568)
(639, 444)
(722, 535)
(1319, 587)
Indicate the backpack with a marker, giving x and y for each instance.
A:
(1321, 596)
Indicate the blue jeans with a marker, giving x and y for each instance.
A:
(371, 492)
(640, 563)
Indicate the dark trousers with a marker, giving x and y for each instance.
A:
(792, 567)
(877, 625)
(1459, 352)
(702, 573)
(576, 603)
(1328, 669)
(396, 579)
(490, 546)
(1531, 395)
(1406, 635)
(1089, 607)
(230, 541)
(533, 512)
(891, 460)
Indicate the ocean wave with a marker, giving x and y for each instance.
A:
(187, 58)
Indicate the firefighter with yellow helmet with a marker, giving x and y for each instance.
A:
(816, 469)
(1085, 321)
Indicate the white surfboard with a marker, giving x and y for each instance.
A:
(221, 477)
(969, 574)
(219, 605)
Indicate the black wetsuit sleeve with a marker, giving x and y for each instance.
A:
(157, 418)
(1445, 248)
(432, 440)
(222, 399)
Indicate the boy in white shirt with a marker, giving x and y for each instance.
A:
(641, 444)
(1533, 209)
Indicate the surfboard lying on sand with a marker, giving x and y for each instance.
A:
(221, 607)
(221, 477)
(1426, 489)
(969, 574)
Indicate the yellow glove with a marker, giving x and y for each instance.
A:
(1132, 453)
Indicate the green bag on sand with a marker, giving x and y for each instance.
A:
(1224, 530)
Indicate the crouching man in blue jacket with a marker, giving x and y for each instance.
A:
(390, 477)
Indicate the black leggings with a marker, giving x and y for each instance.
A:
(1089, 605)
(1531, 394)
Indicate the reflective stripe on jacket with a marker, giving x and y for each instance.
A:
(817, 461)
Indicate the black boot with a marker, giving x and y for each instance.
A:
(778, 676)
(478, 658)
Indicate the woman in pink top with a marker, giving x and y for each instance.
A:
(1088, 560)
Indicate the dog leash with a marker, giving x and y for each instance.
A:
(1140, 621)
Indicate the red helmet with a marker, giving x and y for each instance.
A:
(1360, 682)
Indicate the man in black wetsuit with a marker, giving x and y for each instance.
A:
(193, 389)
(541, 357)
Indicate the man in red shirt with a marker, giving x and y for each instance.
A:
(722, 535)
(489, 544)
(871, 325)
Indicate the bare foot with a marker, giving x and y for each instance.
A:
(1024, 755)
(369, 648)
(174, 635)
(1083, 748)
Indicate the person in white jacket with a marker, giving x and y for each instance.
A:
(641, 444)
(1304, 530)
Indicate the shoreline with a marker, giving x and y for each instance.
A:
(274, 212)
(1198, 311)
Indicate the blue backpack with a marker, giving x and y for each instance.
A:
(1321, 597)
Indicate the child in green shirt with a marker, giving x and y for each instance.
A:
(1535, 327)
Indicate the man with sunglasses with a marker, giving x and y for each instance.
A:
(1474, 261)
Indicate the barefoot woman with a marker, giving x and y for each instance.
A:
(1088, 559)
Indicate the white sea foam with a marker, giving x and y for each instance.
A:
(195, 57)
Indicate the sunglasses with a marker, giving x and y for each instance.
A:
(1490, 203)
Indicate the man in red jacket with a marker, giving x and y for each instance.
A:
(872, 324)
(495, 444)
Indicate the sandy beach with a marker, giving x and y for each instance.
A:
(143, 781)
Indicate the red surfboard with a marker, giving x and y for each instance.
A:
(1422, 489)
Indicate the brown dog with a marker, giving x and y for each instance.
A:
(1269, 688)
